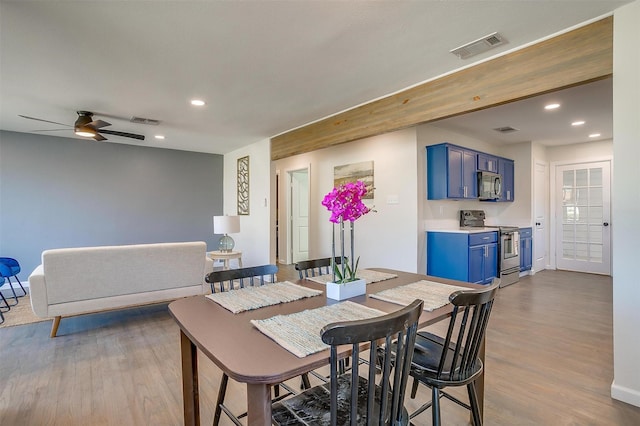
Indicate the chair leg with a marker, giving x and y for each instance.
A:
(221, 394)
(14, 293)
(15, 296)
(24, 292)
(306, 384)
(414, 388)
(435, 406)
(473, 401)
(7, 306)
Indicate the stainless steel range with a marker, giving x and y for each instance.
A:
(509, 248)
(509, 260)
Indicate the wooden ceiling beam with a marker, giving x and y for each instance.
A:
(576, 57)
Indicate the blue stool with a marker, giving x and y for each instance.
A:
(10, 267)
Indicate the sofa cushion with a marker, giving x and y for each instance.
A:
(84, 273)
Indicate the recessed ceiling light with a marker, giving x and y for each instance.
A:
(159, 136)
(594, 135)
(577, 123)
(197, 102)
(552, 106)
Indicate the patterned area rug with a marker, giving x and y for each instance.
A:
(299, 333)
(20, 314)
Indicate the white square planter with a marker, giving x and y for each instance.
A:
(346, 290)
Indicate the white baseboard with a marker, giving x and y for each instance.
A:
(6, 290)
(624, 394)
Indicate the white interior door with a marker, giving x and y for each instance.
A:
(583, 242)
(299, 215)
(541, 200)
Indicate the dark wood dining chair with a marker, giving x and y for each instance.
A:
(453, 360)
(315, 267)
(355, 399)
(230, 279)
(233, 279)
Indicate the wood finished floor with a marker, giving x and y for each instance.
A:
(549, 362)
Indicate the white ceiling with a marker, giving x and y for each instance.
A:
(263, 67)
(591, 103)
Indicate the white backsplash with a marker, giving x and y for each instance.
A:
(445, 214)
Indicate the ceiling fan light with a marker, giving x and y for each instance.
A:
(84, 131)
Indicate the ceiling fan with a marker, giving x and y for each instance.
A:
(87, 127)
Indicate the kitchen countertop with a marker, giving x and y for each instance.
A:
(468, 230)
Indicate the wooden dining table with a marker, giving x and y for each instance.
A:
(248, 356)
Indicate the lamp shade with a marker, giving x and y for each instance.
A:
(226, 224)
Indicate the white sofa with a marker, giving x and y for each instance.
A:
(72, 281)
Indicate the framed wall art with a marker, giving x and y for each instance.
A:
(243, 185)
(352, 172)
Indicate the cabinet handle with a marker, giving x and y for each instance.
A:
(465, 192)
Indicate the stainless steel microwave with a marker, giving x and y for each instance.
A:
(489, 186)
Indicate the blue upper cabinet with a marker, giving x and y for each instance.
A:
(487, 163)
(451, 172)
(506, 170)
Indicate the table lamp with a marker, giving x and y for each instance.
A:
(226, 225)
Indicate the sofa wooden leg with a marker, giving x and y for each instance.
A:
(54, 326)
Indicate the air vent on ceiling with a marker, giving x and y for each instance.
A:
(141, 120)
(506, 129)
(480, 45)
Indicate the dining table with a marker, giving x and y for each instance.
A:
(248, 356)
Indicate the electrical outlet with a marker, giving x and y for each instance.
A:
(392, 199)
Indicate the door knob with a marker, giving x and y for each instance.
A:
(605, 224)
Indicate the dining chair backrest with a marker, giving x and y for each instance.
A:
(315, 267)
(391, 341)
(230, 279)
(467, 327)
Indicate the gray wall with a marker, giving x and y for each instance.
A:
(63, 192)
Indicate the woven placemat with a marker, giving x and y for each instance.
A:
(299, 333)
(435, 295)
(366, 274)
(254, 297)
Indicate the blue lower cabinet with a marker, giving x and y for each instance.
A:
(463, 256)
(526, 249)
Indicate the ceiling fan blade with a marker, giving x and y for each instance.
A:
(98, 137)
(123, 134)
(96, 124)
(50, 130)
(40, 119)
